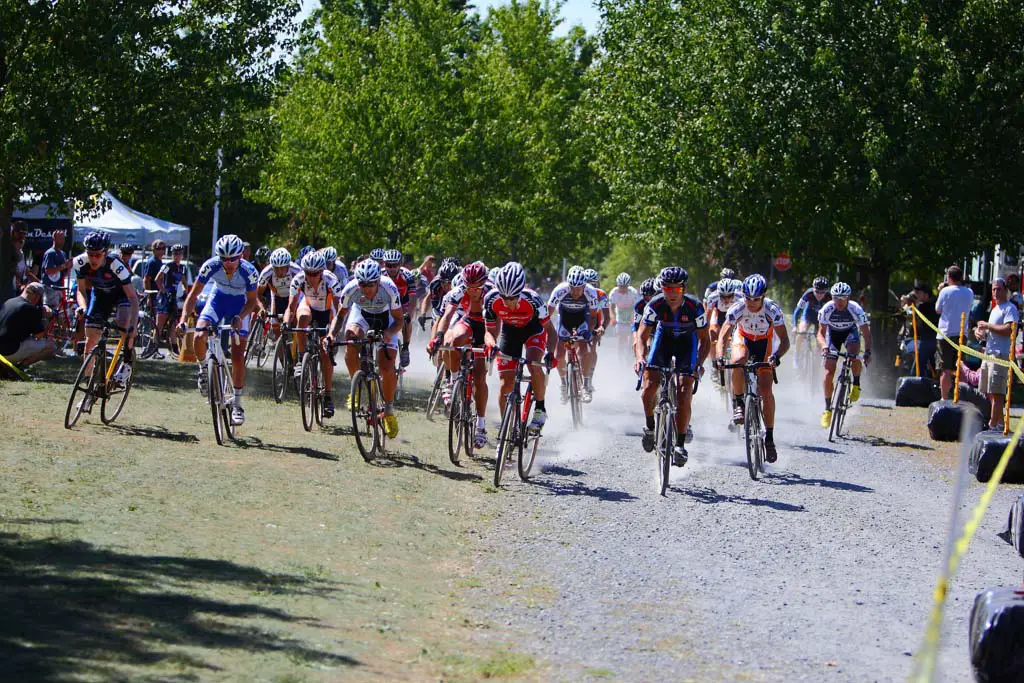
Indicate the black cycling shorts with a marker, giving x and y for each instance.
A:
(102, 305)
(678, 351)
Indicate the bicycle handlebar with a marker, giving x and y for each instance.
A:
(752, 367)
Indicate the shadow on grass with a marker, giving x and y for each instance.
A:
(256, 442)
(155, 432)
(402, 460)
(818, 449)
(882, 441)
(787, 478)
(70, 610)
(706, 494)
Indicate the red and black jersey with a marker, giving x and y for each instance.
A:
(404, 280)
(529, 309)
(459, 297)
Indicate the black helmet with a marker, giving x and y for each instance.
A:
(96, 241)
(821, 283)
(127, 246)
(448, 271)
(262, 254)
(673, 275)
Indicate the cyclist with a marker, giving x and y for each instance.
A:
(622, 300)
(305, 250)
(515, 317)
(105, 288)
(726, 273)
(406, 284)
(370, 301)
(602, 322)
(576, 304)
(440, 286)
(763, 336)
(150, 270)
(378, 255)
(673, 333)
(842, 321)
(648, 289)
(276, 281)
(720, 301)
(464, 305)
(314, 293)
(247, 252)
(334, 265)
(233, 299)
(125, 252)
(807, 308)
(168, 278)
(262, 258)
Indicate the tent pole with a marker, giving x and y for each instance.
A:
(216, 201)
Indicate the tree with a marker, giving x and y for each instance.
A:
(884, 130)
(107, 94)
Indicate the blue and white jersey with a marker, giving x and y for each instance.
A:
(386, 299)
(340, 272)
(834, 319)
(244, 280)
(109, 278)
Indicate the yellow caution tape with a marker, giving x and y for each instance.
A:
(14, 368)
(924, 671)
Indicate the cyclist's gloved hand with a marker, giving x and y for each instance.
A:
(236, 322)
(774, 360)
(432, 345)
(638, 366)
(700, 372)
(867, 357)
(550, 361)
(718, 363)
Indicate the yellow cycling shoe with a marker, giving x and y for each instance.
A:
(348, 402)
(391, 426)
(826, 419)
(854, 393)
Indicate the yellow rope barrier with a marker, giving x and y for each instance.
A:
(1009, 379)
(959, 358)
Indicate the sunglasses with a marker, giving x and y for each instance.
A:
(754, 298)
(230, 259)
(312, 273)
(96, 254)
(364, 285)
(672, 290)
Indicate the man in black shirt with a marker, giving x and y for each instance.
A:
(926, 352)
(21, 318)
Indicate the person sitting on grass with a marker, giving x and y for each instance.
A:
(22, 322)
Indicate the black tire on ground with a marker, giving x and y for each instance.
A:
(971, 395)
(82, 387)
(996, 636)
(752, 437)
(916, 392)
(307, 392)
(364, 416)
(509, 429)
(987, 449)
(215, 396)
(118, 396)
(1014, 532)
(281, 371)
(456, 422)
(945, 419)
(664, 439)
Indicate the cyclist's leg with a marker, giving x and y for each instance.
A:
(510, 344)
(324, 319)
(162, 308)
(765, 386)
(303, 316)
(740, 354)
(535, 347)
(387, 360)
(685, 352)
(828, 382)
(97, 313)
(355, 328)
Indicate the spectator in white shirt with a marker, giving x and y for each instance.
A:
(997, 332)
(955, 300)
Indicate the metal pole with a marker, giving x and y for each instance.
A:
(216, 201)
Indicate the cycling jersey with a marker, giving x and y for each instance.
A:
(108, 278)
(459, 297)
(150, 269)
(638, 313)
(437, 295)
(321, 297)
(808, 307)
(712, 288)
(686, 319)
(623, 302)
(715, 303)
(280, 286)
(602, 299)
(572, 313)
(834, 319)
(243, 281)
(173, 274)
(405, 282)
(529, 310)
(386, 298)
(755, 325)
(340, 272)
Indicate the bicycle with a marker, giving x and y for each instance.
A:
(513, 435)
(806, 358)
(753, 427)
(462, 412)
(259, 338)
(841, 394)
(218, 374)
(665, 429)
(312, 390)
(147, 336)
(283, 369)
(95, 380)
(436, 390)
(367, 398)
(574, 378)
(60, 329)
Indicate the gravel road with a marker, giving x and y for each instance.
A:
(822, 571)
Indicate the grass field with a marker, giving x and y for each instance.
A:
(144, 551)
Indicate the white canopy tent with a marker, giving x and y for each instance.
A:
(125, 224)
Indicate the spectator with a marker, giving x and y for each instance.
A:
(997, 330)
(427, 268)
(246, 250)
(927, 343)
(1013, 285)
(954, 300)
(21, 326)
(22, 275)
(55, 264)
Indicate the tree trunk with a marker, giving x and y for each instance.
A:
(884, 327)
(6, 263)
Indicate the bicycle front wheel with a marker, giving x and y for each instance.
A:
(215, 396)
(307, 392)
(575, 401)
(261, 350)
(508, 435)
(752, 437)
(456, 421)
(83, 387)
(364, 415)
(282, 368)
(435, 393)
(116, 396)
(255, 342)
(664, 431)
(838, 409)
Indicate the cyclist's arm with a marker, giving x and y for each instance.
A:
(642, 341)
(250, 304)
(783, 334)
(339, 321)
(865, 330)
(491, 333)
(552, 334)
(723, 335)
(83, 289)
(188, 309)
(260, 291)
(133, 299)
(822, 342)
(441, 326)
(800, 312)
(398, 321)
(703, 345)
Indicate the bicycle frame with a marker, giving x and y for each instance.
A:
(513, 434)
(367, 379)
(98, 382)
(753, 429)
(841, 383)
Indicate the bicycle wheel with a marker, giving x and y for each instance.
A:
(380, 435)
(752, 437)
(664, 429)
(435, 393)
(363, 416)
(527, 456)
(400, 387)
(255, 341)
(307, 391)
(320, 394)
(261, 350)
(575, 401)
(456, 423)
(838, 409)
(508, 434)
(116, 394)
(83, 386)
(468, 418)
(282, 368)
(215, 395)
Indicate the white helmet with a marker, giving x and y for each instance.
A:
(492, 274)
(330, 254)
(575, 277)
(367, 271)
(841, 289)
(511, 280)
(313, 262)
(623, 280)
(591, 276)
(229, 246)
(280, 257)
(728, 286)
